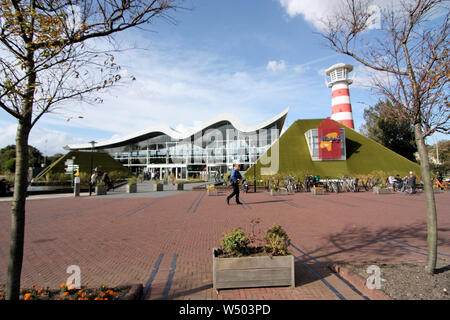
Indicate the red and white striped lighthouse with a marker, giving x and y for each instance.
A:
(341, 108)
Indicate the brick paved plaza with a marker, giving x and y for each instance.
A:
(164, 240)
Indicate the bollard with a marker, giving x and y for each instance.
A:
(76, 187)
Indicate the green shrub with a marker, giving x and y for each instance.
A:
(226, 175)
(277, 241)
(101, 184)
(119, 175)
(84, 178)
(275, 187)
(9, 166)
(132, 181)
(236, 243)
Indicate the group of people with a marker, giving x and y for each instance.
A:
(97, 177)
(403, 184)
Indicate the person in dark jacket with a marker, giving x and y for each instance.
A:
(235, 178)
(107, 181)
(412, 182)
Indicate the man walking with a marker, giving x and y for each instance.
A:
(412, 182)
(235, 177)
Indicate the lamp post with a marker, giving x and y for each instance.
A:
(92, 164)
(254, 176)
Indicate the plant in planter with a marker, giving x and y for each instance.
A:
(178, 185)
(157, 185)
(100, 189)
(275, 190)
(132, 185)
(236, 243)
(238, 264)
(382, 189)
(277, 241)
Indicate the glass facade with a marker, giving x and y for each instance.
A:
(211, 151)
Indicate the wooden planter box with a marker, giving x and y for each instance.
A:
(252, 272)
(382, 190)
(100, 191)
(158, 187)
(318, 191)
(174, 187)
(280, 192)
(211, 192)
(131, 188)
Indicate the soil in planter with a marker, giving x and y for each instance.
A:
(102, 293)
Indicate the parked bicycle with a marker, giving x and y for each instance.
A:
(442, 185)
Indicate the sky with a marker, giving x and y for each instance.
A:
(253, 58)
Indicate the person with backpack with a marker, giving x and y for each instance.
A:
(235, 178)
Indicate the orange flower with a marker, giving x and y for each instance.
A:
(27, 296)
(33, 286)
(62, 285)
(66, 293)
(112, 293)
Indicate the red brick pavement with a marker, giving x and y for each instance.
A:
(117, 241)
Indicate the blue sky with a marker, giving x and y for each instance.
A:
(253, 58)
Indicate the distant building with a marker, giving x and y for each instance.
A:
(210, 149)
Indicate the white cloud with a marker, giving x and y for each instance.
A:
(301, 68)
(180, 88)
(313, 11)
(276, 65)
(8, 133)
(46, 140)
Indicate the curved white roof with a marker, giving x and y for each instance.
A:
(230, 117)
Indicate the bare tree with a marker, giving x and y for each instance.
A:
(48, 57)
(407, 51)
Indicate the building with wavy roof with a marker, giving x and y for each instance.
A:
(211, 148)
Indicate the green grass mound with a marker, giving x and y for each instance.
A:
(101, 160)
(364, 156)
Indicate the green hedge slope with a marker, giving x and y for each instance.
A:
(101, 160)
(364, 156)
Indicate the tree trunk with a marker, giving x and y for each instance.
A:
(17, 235)
(18, 213)
(429, 196)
